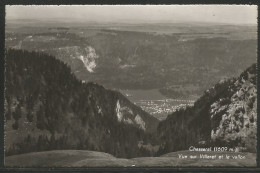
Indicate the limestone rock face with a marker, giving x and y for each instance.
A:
(234, 119)
(225, 115)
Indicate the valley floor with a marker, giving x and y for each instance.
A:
(80, 158)
(156, 104)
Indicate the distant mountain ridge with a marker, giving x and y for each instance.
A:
(48, 108)
(148, 57)
(224, 116)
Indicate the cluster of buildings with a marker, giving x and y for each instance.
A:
(161, 108)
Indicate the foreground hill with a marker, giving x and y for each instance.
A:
(47, 108)
(224, 116)
(83, 158)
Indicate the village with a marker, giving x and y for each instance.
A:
(161, 108)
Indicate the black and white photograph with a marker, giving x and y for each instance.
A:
(130, 86)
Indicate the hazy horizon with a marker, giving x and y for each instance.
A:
(221, 14)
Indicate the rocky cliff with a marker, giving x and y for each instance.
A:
(224, 116)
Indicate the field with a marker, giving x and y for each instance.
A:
(82, 158)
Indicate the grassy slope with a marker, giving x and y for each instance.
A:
(80, 158)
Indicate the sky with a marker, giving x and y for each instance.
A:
(230, 14)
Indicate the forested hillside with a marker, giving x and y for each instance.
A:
(47, 108)
(224, 116)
